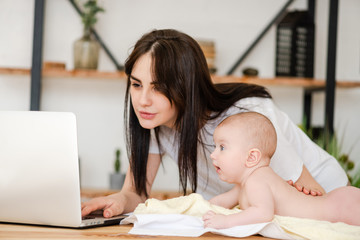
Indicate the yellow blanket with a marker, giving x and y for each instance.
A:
(298, 228)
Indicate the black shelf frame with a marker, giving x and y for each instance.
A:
(35, 96)
(331, 67)
(329, 89)
(36, 66)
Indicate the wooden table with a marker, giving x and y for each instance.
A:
(18, 231)
(15, 231)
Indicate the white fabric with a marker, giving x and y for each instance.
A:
(181, 216)
(192, 226)
(294, 149)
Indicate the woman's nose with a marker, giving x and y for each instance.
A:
(145, 98)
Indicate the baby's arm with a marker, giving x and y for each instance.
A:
(228, 199)
(261, 208)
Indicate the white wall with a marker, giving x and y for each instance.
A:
(98, 103)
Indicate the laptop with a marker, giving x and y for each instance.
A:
(39, 171)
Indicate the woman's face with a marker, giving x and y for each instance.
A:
(151, 107)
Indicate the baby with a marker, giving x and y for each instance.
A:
(245, 143)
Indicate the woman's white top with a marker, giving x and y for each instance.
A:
(293, 150)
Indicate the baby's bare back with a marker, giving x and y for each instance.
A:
(335, 206)
(290, 202)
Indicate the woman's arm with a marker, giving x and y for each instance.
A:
(127, 199)
(307, 184)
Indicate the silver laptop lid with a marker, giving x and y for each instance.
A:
(39, 170)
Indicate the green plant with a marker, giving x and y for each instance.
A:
(330, 143)
(356, 180)
(117, 163)
(88, 16)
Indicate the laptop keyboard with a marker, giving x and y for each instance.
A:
(93, 215)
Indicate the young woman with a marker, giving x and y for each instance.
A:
(172, 107)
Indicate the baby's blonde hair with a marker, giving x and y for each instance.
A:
(257, 128)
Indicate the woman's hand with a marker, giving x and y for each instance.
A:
(127, 199)
(307, 184)
(111, 205)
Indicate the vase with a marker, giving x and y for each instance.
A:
(86, 52)
(116, 180)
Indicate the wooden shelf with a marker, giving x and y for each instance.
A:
(83, 74)
(15, 71)
(66, 73)
(284, 81)
(278, 81)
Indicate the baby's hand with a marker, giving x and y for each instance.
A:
(213, 220)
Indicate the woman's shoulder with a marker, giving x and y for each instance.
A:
(252, 102)
(257, 104)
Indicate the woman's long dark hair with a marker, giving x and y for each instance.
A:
(181, 73)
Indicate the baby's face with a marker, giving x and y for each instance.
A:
(229, 156)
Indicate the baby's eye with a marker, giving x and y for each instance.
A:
(222, 148)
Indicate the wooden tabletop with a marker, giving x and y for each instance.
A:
(15, 231)
(18, 231)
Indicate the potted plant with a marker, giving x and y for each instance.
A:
(117, 178)
(86, 49)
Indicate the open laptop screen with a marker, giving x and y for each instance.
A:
(39, 172)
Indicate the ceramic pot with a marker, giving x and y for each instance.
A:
(116, 180)
(86, 52)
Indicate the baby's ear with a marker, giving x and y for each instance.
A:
(253, 158)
